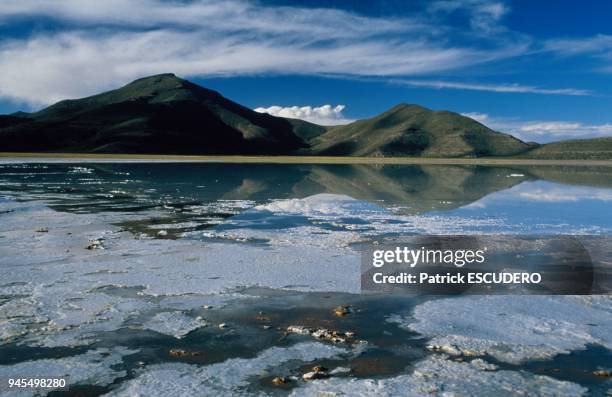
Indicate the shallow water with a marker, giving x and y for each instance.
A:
(257, 217)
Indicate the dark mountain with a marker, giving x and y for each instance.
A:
(164, 114)
(160, 114)
(412, 130)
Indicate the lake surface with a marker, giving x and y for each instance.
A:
(178, 249)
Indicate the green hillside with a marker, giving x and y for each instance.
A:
(579, 149)
(412, 130)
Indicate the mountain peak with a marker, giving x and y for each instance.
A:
(164, 87)
(160, 76)
(157, 80)
(159, 88)
(405, 106)
(404, 109)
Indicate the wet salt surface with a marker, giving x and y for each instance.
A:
(239, 253)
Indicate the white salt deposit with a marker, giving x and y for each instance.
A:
(175, 323)
(514, 328)
(437, 376)
(91, 368)
(61, 294)
(230, 377)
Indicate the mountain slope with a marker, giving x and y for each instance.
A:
(578, 149)
(164, 114)
(412, 130)
(157, 114)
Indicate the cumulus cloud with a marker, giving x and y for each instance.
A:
(505, 88)
(542, 131)
(323, 115)
(99, 45)
(561, 129)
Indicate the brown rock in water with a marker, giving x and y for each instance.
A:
(279, 380)
(604, 373)
(324, 334)
(342, 311)
(319, 368)
(183, 353)
(177, 352)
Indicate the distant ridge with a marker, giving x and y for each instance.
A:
(164, 114)
(416, 131)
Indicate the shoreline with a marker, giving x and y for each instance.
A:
(247, 159)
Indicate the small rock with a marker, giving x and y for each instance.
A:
(319, 368)
(313, 375)
(42, 230)
(223, 325)
(342, 311)
(95, 244)
(321, 333)
(324, 334)
(207, 307)
(177, 352)
(279, 380)
(604, 373)
(469, 353)
(298, 329)
(182, 353)
(448, 349)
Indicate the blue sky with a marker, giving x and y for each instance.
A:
(541, 70)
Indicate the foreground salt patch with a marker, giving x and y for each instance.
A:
(513, 328)
(58, 293)
(230, 377)
(91, 368)
(438, 376)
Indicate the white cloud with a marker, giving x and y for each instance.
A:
(600, 43)
(598, 46)
(480, 117)
(323, 115)
(564, 130)
(505, 88)
(107, 43)
(542, 131)
(483, 14)
(566, 194)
